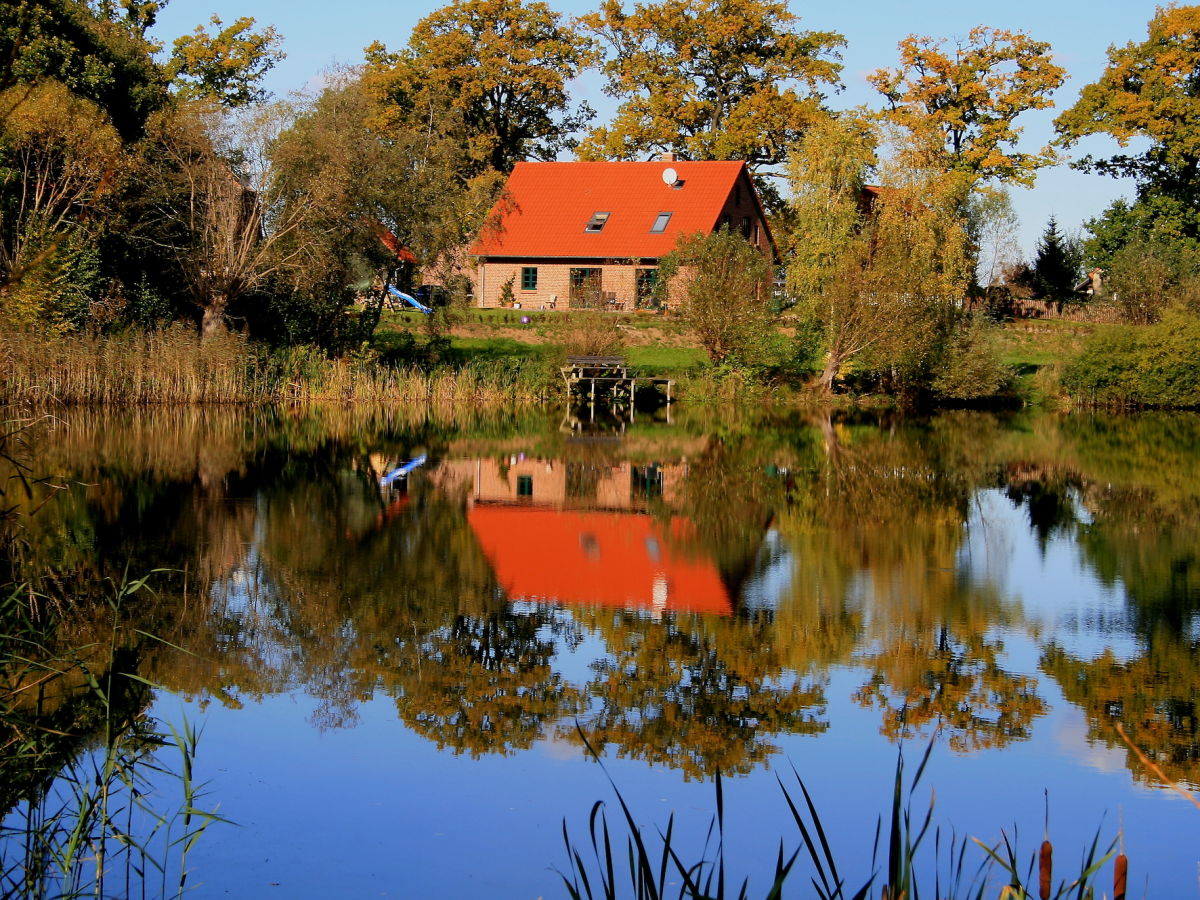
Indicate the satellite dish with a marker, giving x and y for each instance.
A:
(670, 177)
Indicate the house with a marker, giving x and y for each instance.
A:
(591, 234)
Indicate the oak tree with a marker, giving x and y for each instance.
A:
(227, 65)
(710, 79)
(1149, 93)
(961, 102)
(495, 72)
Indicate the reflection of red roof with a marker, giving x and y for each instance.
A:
(547, 206)
(594, 559)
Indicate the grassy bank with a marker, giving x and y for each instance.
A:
(492, 357)
(174, 366)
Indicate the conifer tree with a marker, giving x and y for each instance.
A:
(1055, 269)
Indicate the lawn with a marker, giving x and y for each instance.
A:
(1030, 344)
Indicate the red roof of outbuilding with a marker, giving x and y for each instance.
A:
(547, 206)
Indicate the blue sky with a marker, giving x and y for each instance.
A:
(320, 35)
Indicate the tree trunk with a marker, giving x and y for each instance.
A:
(833, 362)
(213, 320)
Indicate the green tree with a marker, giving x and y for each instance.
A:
(101, 55)
(962, 104)
(710, 79)
(726, 287)
(1056, 265)
(877, 274)
(349, 186)
(227, 65)
(494, 73)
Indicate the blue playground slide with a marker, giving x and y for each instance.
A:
(411, 301)
(402, 471)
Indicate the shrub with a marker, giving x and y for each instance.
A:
(972, 368)
(585, 333)
(1140, 366)
(727, 294)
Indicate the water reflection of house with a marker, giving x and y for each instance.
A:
(578, 533)
(556, 482)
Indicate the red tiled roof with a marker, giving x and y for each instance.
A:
(548, 204)
(393, 244)
(595, 559)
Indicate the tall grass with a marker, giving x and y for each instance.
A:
(86, 810)
(646, 868)
(174, 366)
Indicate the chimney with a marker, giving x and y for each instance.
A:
(668, 157)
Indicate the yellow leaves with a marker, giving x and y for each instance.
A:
(227, 65)
(1149, 89)
(968, 96)
(63, 161)
(493, 72)
(708, 79)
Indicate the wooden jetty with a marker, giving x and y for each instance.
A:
(595, 377)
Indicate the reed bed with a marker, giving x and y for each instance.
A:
(175, 366)
(653, 867)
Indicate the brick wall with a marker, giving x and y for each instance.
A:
(553, 289)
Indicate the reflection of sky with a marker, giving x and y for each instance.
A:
(772, 578)
(1059, 594)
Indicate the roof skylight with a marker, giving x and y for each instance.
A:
(596, 222)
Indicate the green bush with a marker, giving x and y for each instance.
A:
(1153, 365)
(971, 368)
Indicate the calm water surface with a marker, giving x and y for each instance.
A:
(394, 666)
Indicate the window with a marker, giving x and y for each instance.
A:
(746, 227)
(529, 278)
(726, 221)
(660, 224)
(586, 289)
(645, 284)
(524, 485)
(596, 222)
(645, 482)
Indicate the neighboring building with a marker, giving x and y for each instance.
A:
(575, 234)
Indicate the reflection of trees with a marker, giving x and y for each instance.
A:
(728, 498)
(293, 571)
(698, 694)
(480, 684)
(1139, 484)
(876, 524)
(1153, 552)
(1154, 696)
(934, 678)
(50, 710)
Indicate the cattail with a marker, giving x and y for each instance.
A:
(1120, 872)
(1045, 867)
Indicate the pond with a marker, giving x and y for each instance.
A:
(398, 632)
